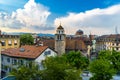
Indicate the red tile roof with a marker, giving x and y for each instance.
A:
(79, 43)
(30, 51)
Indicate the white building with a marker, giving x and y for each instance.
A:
(13, 57)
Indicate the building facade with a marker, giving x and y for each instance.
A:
(9, 41)
(77, 42)
(60, 40)
(108, 42)
(14, 57)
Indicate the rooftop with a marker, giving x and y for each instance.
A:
(60, 27)
(27, 51)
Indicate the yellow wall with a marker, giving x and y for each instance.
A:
(6, 39)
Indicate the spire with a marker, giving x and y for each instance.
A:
(116, 31)
(117, 41)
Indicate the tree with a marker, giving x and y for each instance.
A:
(57, 68)
(105, 54)
(77, 60)
(26, 39)
(102, 70)
(115, 59)
(112, 56)
(30, 72)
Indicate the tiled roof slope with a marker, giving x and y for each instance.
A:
(29, 51)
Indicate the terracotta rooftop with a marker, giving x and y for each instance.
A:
(110, 36)
(72, 43)
(26, 51)
(9, 36)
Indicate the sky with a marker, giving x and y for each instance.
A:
(98, 17)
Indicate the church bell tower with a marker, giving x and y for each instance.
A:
(60, 40)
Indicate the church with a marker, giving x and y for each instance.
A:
(63, 43)
(60, 40)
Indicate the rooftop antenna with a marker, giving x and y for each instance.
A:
(116, 31)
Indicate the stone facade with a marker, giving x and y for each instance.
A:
(60, 40)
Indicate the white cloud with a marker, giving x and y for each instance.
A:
(32, 16)
(98, 21)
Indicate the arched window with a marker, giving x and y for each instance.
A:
(60, 37)
(57, 37)
(62, 32)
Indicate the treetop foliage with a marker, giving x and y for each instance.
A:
(26, 39)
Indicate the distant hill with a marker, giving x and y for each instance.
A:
(13, 33)
(42, 35)
(19, 33)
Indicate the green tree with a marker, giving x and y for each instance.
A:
(115, 59)
(57, 68)
(30, 72)
(105, 54)
(26, 39)
(102, 70)
(77, 60)
(113, 56)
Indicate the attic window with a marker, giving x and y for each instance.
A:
(47, 53)
(22, 49)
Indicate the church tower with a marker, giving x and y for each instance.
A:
(60, 40)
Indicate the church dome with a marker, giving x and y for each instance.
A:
(79, 32)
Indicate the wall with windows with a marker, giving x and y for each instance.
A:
(8, 63)
(107, 45)
(12, 62)
(9, 42)
(47, 52)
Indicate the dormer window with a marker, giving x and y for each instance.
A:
(22, 49)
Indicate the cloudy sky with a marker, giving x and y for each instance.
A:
(44, 16)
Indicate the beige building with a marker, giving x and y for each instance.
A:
(9, 41)
(108, 42)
